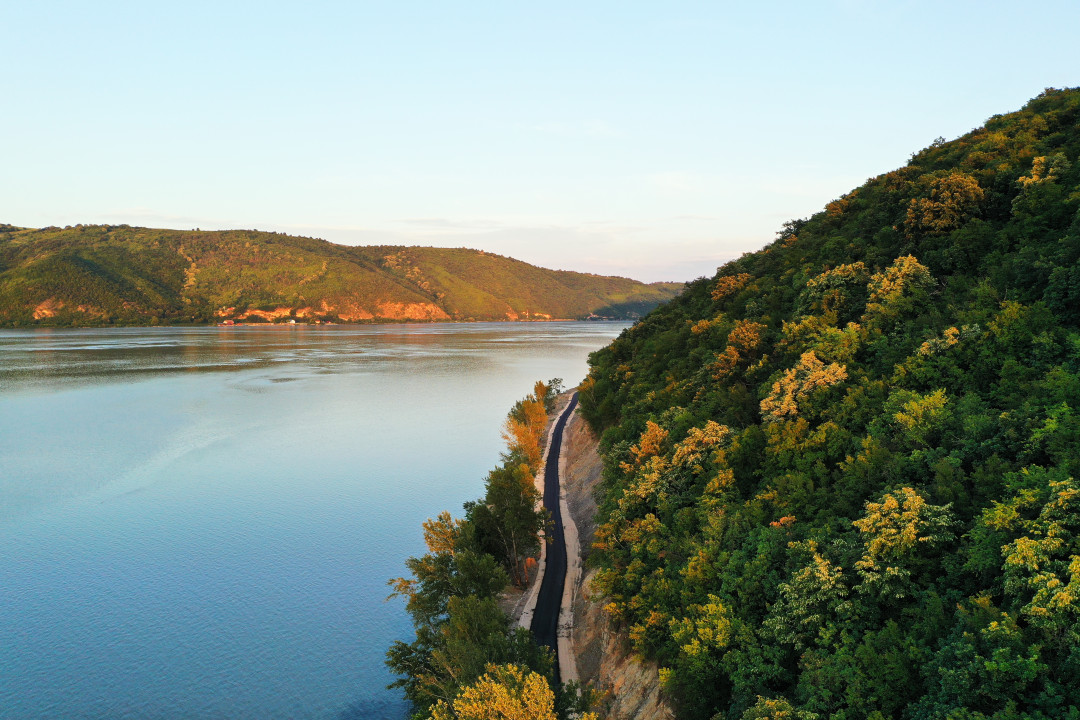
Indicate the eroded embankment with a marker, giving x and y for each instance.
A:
(630, 686)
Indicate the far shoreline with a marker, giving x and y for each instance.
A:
(363, 323)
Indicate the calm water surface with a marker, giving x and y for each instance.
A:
(200, 522)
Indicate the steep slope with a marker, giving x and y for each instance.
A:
(123, 275)
(840, 475)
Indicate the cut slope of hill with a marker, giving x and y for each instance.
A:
(87, 275)
(841, 476)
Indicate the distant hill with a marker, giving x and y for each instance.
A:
(108, 274)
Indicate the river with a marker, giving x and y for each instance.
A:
(200, 522)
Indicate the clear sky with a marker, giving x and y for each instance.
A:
(649, 139)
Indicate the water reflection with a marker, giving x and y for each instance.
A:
(199, 522)
(45, 357)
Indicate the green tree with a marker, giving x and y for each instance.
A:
(811, 602)
(507, 522)
(899, 535)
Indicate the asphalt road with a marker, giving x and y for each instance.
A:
(545, 621)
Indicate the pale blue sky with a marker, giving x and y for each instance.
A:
(653, 140)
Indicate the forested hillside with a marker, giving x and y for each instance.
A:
(102, 275)
(840, 475)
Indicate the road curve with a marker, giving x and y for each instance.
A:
(545, 619)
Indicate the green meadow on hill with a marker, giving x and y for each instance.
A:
(102, 275)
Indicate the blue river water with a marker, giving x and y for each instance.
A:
(200, 522)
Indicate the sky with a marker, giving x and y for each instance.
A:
(654, 140)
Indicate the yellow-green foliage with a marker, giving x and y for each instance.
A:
(952, 198)
(504, 692)
(798, 384)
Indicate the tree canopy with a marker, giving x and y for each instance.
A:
(840, 474)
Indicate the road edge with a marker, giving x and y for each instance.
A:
(525, 619)
(567, 656)
(564, 641)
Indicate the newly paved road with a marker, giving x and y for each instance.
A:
(545, 621)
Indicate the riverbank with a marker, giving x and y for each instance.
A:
(591, 652)
(302, 322)
(520, 603)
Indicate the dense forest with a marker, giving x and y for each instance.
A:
(119, 275)
(840, 475)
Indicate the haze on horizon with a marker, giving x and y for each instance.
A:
(630, 139)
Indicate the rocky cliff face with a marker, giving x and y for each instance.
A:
(630, 686)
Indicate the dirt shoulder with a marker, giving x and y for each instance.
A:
(631, 687)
